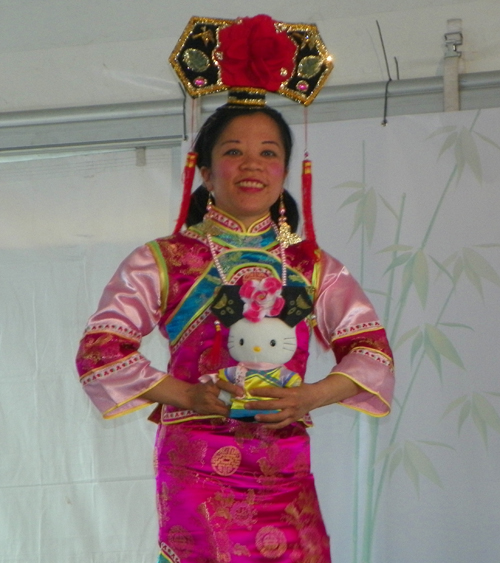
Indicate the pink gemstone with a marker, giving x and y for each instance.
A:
(303, 86)
(199, 81)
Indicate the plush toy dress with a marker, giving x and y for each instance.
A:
(228, 491)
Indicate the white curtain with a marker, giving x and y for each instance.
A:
(410, 208)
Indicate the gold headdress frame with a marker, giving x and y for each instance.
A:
(197, 61)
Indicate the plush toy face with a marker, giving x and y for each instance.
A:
(269, 340)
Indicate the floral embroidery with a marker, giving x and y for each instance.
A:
(226, 460)
(271, 542)
(181, 541)
(304, 515)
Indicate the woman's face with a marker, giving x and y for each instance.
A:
(248, 167)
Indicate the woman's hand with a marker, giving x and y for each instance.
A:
(204, 397)
(294, 402)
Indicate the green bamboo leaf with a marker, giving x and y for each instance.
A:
(454, 405)
(389, 207)
(474, 278)
(422, 463)
(449, 142)
(486, 411)
(480, 423)
(370, 213)
(481, 266)
(456, 325)
(351, 184)
(395, 248)
(432, 354)
(385, 453)
(411, 470)
(442, 344)
(420, 274)
(417, 344)
(450, 260)
(471, 154)
(406, 336)
(441, 130)
(358, 218)
(488, 140)
(442, 268)
(398, 261)
(353, 198)
(464, 414)
(396, 460)
(458, 269)
(375, 292)
(438, 444)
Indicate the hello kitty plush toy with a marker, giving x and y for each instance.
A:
(261, 316)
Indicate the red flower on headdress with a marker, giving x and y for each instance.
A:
(262, 299)
(252, 53)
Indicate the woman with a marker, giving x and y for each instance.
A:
(231, 491)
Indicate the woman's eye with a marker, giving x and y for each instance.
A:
(268, 153)
(232, 152)
(273, 343)
(242, 342)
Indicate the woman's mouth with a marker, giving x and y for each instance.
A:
(250, 184)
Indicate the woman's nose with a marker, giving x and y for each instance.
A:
(251, 162)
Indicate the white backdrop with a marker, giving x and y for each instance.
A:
(411, 209)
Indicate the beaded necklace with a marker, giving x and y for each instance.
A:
(220, 269)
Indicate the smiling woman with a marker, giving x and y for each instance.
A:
(248, 167)
(245, 488)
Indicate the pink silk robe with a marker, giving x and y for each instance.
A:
(228, 491)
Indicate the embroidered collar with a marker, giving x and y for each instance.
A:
(219, 219)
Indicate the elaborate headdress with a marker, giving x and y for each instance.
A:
(249, 57)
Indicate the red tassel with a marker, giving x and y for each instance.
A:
(188, 176)
(309, 233)
(214, 357)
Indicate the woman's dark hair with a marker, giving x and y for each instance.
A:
(205, 142)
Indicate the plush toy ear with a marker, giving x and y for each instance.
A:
(227, 305)
(298, 305)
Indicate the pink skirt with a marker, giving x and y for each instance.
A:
(237, 492)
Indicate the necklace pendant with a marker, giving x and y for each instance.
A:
(286, 237)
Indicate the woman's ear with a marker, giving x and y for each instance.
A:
(206, 174)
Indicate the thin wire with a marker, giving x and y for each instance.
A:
(386, 96)
(383, 49)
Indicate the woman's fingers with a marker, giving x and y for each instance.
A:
(205, 399)
(235, 390)
(292, 404)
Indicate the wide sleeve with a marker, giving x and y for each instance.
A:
(349, 325)
(112, 371)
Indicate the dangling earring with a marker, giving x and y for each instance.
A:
(285, 236)
(210, 203)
